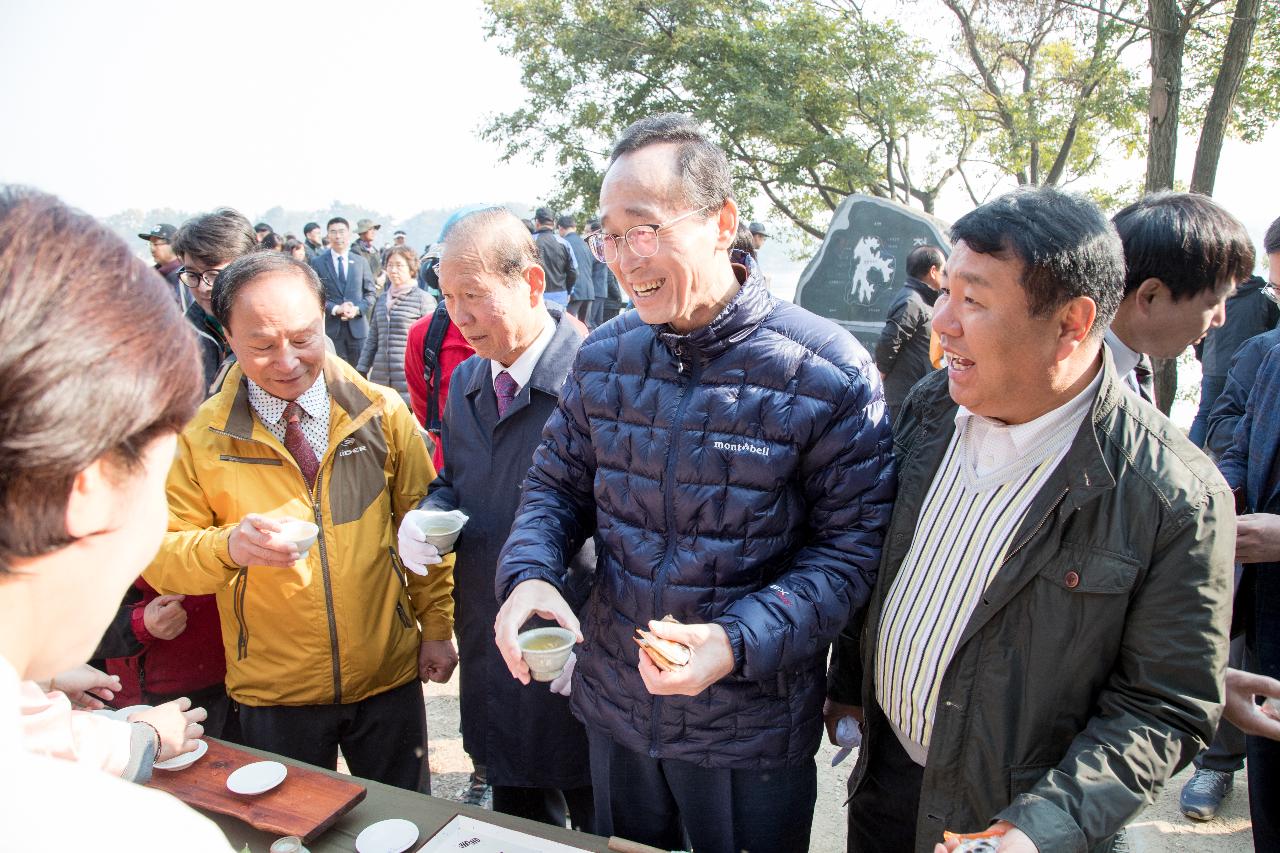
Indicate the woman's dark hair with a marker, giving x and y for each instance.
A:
(1186, 240)
(96, 361)
(273, 242)
(292, 244)
(216, 238)
(742, 240)
(244, 270)
(1067, 247)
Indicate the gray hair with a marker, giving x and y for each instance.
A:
(502, 238)
(704, 176)
(245, 269)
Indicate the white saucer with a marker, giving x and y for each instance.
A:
(178, 762)
(387, 836)
(257, 778)
(123, 713)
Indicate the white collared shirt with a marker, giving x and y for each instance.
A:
(346, 261)
(1125, 358)
(990, 446)
(521, 370)
(315, 413)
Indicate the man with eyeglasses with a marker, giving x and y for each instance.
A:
(206, 246)
(731, 455)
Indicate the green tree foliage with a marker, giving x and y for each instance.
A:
(813, 100)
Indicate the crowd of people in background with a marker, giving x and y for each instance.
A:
(980, 552)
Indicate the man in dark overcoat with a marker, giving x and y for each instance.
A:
(534, 750)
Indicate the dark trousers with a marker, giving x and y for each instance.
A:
(383, 738)
(223, 721)
(1210, 388)
(597, 312)
(1262, 655)
(675, 804)
(347, 345)
(882, 814)
(581, 308)
(548, 805)
(1226, 753)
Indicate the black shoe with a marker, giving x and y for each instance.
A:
(1204, 792)
(477, 790)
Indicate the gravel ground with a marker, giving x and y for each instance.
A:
(1160, 829)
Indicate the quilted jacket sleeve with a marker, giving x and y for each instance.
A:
(556, 513)
(848, 481)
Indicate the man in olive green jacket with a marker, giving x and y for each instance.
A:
(1045, 644)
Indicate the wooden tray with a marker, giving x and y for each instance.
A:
(306, 803)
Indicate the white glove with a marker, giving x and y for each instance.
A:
(563, 683)
(415, 552)
(848, 736)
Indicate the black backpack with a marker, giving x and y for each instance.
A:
(431, 344)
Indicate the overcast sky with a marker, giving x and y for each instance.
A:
(133, 104)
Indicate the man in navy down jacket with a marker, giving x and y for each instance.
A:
(732, 455)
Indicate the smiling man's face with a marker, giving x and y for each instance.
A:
(1001, 358)
(682, 283)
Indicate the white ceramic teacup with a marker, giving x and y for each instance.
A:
(441, 528)
(546, 663)
(303, 534)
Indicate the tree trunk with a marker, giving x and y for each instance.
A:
(1168, 40)
(1218, 116)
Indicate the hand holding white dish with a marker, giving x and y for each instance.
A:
(302, 534)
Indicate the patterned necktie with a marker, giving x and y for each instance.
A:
(505, 388)
(296, 443)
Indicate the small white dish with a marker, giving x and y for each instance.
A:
(124, 713)
(257, 778)
(185, 760)
(387, 836)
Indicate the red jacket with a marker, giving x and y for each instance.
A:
(191, 661)
(453, 351)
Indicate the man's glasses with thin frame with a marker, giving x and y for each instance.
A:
(641, 239)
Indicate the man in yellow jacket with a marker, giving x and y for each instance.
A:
(324, 648)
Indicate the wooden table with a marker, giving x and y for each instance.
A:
(384, 801)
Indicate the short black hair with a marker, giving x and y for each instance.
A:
(1186, 240)
(922, 259)
(336, 219)
(262, 226)
(1067, 247)
(216, 238)
(1271, 242)
(702, 175)
(232, 280)
(567, 221)
(309, 227)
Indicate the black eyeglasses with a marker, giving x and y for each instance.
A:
(193, 279)
(642, 239)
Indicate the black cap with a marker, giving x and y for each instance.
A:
(542, 214)
(567, 221)
(164, 231)
(757, 228)
(262, 226)
(309, 227)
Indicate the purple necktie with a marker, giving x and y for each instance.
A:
(296, 443)
(505, 387)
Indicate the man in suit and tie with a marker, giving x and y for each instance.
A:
(349, 291)
(1184, 255)
(499, 402)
